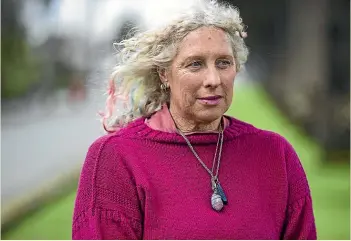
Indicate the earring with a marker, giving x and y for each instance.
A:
(164, 86)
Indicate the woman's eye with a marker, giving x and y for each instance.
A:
(224, 63)
(195, 64)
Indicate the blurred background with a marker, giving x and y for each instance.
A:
(56, 59)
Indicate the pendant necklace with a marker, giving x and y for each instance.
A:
(218, 198)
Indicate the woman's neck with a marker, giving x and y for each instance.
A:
(186, 125)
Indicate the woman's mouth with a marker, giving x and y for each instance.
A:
(210, 100)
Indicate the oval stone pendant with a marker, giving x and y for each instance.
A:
(216, 201)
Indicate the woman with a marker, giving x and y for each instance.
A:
(174, 166)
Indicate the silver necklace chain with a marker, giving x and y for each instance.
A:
(219, 144)
(218, 198)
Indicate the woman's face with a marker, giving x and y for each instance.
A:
(202, 75)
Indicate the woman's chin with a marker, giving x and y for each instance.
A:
(209, 116)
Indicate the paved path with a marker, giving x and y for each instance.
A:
(37, 148)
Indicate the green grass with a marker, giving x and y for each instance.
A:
(330, 185)
(52, 222)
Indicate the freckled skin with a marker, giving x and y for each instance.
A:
(204, 66)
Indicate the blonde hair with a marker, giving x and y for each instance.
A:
(135, 79)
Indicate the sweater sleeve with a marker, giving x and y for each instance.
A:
(299, 223)
(107, 204)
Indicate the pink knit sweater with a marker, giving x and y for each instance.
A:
(142, 183)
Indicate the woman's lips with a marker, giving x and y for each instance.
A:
(210, 100)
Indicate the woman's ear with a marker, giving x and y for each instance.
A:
(162, 73)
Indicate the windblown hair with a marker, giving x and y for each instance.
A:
(135, 80)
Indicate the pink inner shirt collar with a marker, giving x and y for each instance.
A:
(162, 121)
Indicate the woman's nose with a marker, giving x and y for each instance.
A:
(212, 78)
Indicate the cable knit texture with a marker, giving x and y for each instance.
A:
(141, 183)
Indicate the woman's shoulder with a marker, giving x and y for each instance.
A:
(108, 152)
(115, 142)
(270, 146)
(104, 141)
(253, 133)
(102, 150)
(119, 134)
